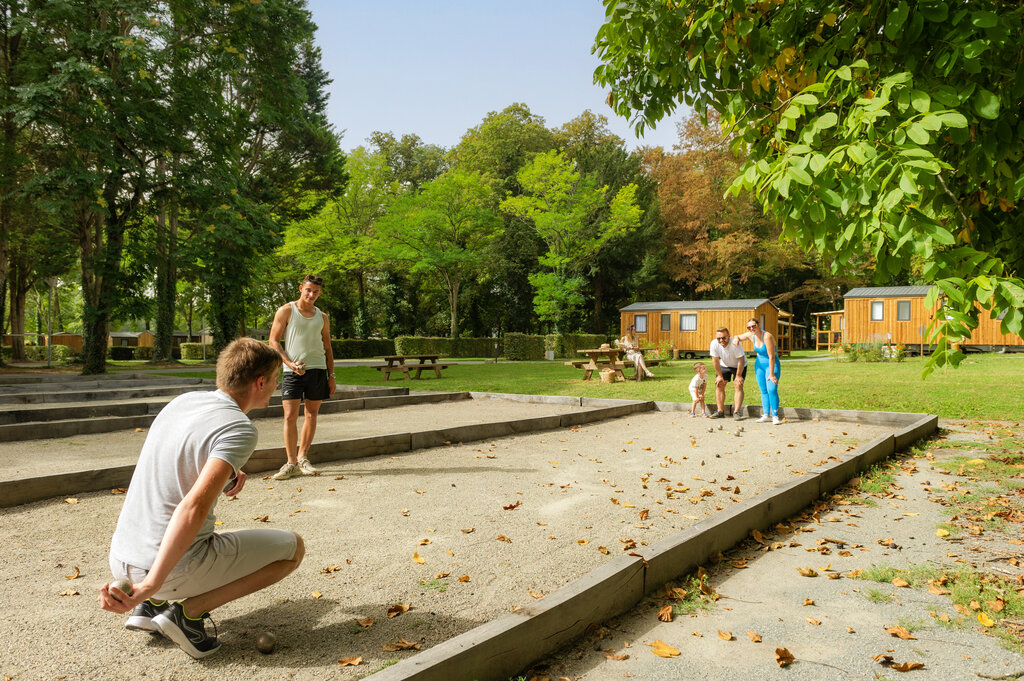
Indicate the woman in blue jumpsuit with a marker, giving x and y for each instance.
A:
(766, 368)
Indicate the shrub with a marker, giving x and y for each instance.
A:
(354, 348)
(566, 345)
(195, 351)
(519, 346)
(58, 353)
(144, 352)
(447, 347)
(852, 352)
(121, 353)
(5, 351)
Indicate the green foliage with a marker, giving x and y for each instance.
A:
(355, 348)
(195, 351)
(144, 352)
(520, 346)
(566, 345)
(896, 130)
(59, 354)
(448, 347)
(564, 207)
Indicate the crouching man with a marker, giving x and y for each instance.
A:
(164, 544)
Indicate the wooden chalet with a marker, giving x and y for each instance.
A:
(130, 339)
(828, 329)
(689, 325)
(898, 315)
(72, 340)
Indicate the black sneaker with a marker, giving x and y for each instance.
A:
(718, 415)
(190, 634)
(142, 616)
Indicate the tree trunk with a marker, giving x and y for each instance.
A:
(361, 321)
(166, 273)
(19, 291)
(597, 323)
(453, 307)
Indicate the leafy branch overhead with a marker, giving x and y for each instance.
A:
(896, 126)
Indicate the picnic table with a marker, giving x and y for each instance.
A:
(600, 358)
(607, 358)
(402, 364)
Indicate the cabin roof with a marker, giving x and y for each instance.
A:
(888, 292)
(744, 304)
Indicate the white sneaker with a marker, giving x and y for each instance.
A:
(306, 467)
(289, 470)
(693, 415)
(776, 421)
(764, 419)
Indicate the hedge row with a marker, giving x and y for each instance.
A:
(195, 351)
(355, 348)
(520, 346)
(37, 353)
(448, 347)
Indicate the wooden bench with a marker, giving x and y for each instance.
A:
(390, 367)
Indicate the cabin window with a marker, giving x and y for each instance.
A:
(903, 310)
(877, 307)
(687, 322)
(666, 322)
(640, 322)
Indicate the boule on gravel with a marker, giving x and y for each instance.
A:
(266, 642)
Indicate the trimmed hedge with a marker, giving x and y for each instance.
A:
(448, 347)
(356, 348)
(195, 351)
(37, 353)
(520, 346)
(120, 353)
(144, 352)
(566, 345)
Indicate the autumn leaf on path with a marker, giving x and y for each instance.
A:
(900, 582)
(71, 500)
(401, 644)
(468, 530)
(784, 657)
(514, 506)
(665, 614)
(985, 620)
(77, 573)
(901, 632)
(617, 658)
(758, 537)
(708, 591)
(533, 595)
(754, 636)
(908, 666)
(69, 592)
(464, 578)
(316, 594)
(350, 661)
(807, 572)
(368, 622)
(603, 549)
(329, 569)
(725, 635)
(424, 542)
(398, 609)
(813, 621)
(644, 514)
(418, 559)
(503, 538)
(662, 649)
(808, 601)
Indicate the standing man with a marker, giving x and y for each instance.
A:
(308, 372)
(164, 544)
(730, 365)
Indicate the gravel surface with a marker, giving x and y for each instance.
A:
(561, 499)
(44, 457)
(769, 596)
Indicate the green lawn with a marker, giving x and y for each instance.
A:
(983, 387)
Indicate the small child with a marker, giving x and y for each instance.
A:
(698, 386)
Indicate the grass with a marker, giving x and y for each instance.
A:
(438, 585)
(964, 393)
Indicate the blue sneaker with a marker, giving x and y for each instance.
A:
(190, 634)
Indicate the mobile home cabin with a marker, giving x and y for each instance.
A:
(689, 325)
(828, 329)
(131, 339)
(898, 315)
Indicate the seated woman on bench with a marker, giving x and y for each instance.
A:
(633, 354)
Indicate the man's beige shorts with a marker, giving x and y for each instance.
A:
(221, 559)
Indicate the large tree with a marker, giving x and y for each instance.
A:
(445, 232)
(899, 127)
(565, 207)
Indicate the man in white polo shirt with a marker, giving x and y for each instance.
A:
(730, 365)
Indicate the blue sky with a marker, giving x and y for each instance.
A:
(437, 67)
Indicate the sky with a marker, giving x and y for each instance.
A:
(435, 68)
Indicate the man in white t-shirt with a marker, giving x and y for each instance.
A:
(164, 545)
(730, 365)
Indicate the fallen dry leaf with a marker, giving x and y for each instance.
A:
(901, 632)
(784, 657)
(603, 549)
(932, 589)
(350, 661)
(316, 594)
(985, 620)
(424, 542)
(368, 622)
(503, 538)
(900, 582)
(665, 614)
(582, 542)
(849, 630)
(644, 513)
(617, 658)
(754, 636)
(397, 609)
(69, 592)
(662, 649)
(417, 558)
(401, 644)
(118, 490)
(807, 572)
(725, 635)
(468, 530)
(813, 621)
(758, 537)
(71, 500)
(77, 573)
(514, 506)
(533, 595)
(464, 578)
(808, 601)
(908, 666)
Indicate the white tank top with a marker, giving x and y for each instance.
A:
(303, 339)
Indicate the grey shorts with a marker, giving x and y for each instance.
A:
(223, 558)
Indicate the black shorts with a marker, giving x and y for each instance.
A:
(728, 373)
(311, 385)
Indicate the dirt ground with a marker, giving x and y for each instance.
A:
(834, 623)
(461, 534)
